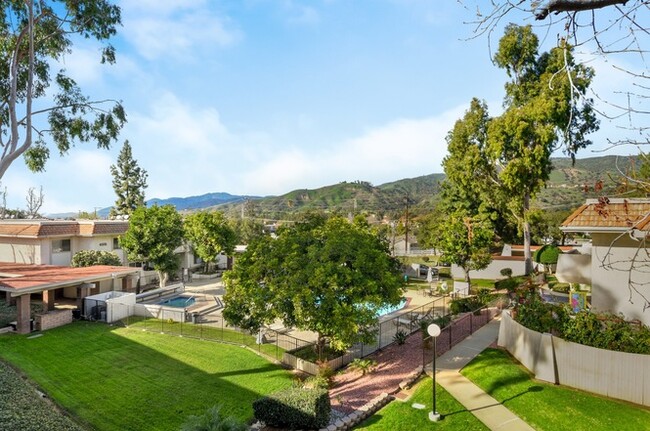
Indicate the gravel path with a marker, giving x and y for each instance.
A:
(395, 363)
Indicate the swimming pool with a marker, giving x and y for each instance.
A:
(178, 302)
(391, 309)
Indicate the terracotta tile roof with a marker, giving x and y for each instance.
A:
(512, 258)
(30, 230)
(48, 228)
(68, 229)
(617, 214)
(15, 277)
(103, 227)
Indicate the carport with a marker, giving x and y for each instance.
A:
(20, 281)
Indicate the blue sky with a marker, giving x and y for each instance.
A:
(261, 97)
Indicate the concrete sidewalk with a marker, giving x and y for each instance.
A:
(486, 409)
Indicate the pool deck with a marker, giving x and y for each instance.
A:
(215, 287)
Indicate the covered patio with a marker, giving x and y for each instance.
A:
(20, 281)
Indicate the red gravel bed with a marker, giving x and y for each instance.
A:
(394, 363)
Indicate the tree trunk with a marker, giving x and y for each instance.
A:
(162, 278)
(468, 280)
(528, 261)
(320, 344)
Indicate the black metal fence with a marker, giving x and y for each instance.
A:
(273, 343)
(403, 324)
(212, 327)
(460, 328)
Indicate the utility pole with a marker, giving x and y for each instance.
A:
(406, 226)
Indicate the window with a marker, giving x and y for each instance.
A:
(116, 243)
(60, 245)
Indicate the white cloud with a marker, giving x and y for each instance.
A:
(180, 146)
(300, 14)
(174, 28)
(83, 64)
(187, 150)
(74, 182)
(400, 149)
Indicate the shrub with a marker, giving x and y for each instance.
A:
(510, 284)
(540, 316)
(465, 305)
(85, 258)
(426, 258)
(607, 331)
(294, 408)
(506, 272)
(325, 372)
(316, 382)
(400, 337)
(547, 254)
(213, 419)
(310, 353)
(442, 321)
(364, 366)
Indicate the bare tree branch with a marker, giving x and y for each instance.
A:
(34, 202)
(557, 6)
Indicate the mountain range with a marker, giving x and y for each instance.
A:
(568, 187)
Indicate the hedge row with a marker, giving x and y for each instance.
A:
(294, 408)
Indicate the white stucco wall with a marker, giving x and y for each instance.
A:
(61, 258)
(612, 269)
(574, 268)
(493, 270)
(18, 250)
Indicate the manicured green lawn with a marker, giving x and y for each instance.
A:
(401, 416)
(127, 379)
(206, 332)
(550, 407)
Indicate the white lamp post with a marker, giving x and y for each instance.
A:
(434, 331)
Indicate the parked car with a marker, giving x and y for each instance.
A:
(424, 270)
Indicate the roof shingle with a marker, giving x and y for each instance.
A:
(614, 214)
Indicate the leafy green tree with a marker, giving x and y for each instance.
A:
(35, 36)
(466, 241)
(615, 30)
(465, 232)
(85, 215)
(210, 235)
(545, 225)
(329, 276)
(429, 233)
(548, 255)
(95, 257)
(543, 108)
(153, 235)
(129, 182)
(248, 226)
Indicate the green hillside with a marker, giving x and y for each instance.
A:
(568, 187)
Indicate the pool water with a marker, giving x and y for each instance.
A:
(178, 302)
(391, 309)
